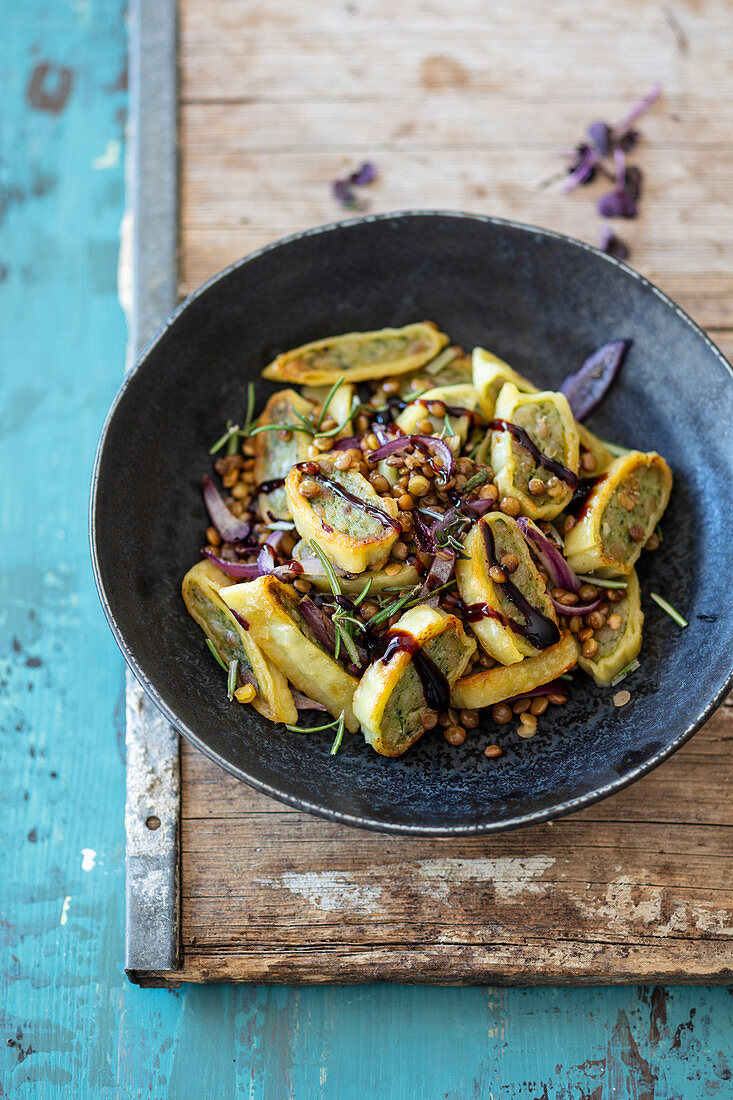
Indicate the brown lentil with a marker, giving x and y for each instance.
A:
(488, 492)
(520, 706)
(392, 569)
(614, 621)
(595, 620)
(343, 460)
(567, 599)
(418, 486)
(468, 719)
(394, 461)
(240, 491)
(405, 521)
(230, 478)
(556, 699)
(537, 487)
(509, 563)
(308, 488)
(424, 426)
(405, 503)
(621, 698)
(429, 720)
(455, 735)
(380, 483)
(372, 443)
(213, 537)
(528, 720)
(569, 523)
(510, 506)
(652, 543)
(590, 648)
(502, 713)
(400, 551)
(437, 408)
(302, 585)
(588, 592)
(498, 575)
(588, 461)
(575, 623)
(636, 533)
(538, 705)
(585, 634)
(615, 595)
(390, 388)
(492, 751)
(368, 610)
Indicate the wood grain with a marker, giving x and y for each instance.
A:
(461, 108)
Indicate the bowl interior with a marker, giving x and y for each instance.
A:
(543, 303)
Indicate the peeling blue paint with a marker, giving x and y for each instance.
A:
(70, 1024)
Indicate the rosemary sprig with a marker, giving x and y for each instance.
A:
(339, 723)
(216, 656)
(671, 611)
(341, 619)
(601, 582)
(480, 478)
(233, 432)
(232, 678)
(447, 427)
(658, 530)
(408, 600)
(339, 735)
(281, 426)
(441, 360)
(566, 676)
(313, 729)
(625, 671)
(363, 594)
(331, 577)
(328, 400)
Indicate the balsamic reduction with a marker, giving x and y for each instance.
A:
(580, 499)
(434, 684)
(539, 631)
(270, 486)
(523, 438)
(384, 518)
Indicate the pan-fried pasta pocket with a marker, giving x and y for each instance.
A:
(490, 373)
(619, 639)
(493, 685)
(619, 515)
(424, 653)
(277, 450)
(271, 609)
(535, 450)
(512, 619)
(202, 593)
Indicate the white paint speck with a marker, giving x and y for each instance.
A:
(88, 859)
(110, 158)
(328, 890)
(508, 876)
(65, 909)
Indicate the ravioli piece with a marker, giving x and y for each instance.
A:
(490, 373)
(451, 372)
(493, 685)
(512, 620)
(271, 608)
(548, 425)
(353, 525)
(274, 455)
(618, 645)
(425, 653)
(622, 509)
(596, 446)
(338, 407)
(352, 585)
(359, 356)
(456, 398)
(201, 590)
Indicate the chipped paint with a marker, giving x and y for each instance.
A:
(65, 909)
(508, 876)
(88, 859)
(329, 891)
(627, 902)
(110, 158)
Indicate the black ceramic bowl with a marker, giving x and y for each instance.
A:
(542, 302)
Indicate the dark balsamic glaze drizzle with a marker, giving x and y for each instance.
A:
(384, 518)
(580, 499)
(539, 631)
(270, 486)
(524, 440)
(434, 684)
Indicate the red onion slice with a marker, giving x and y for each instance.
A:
(347, 443)
(477, 508)
(588, 386)
(560, 573)
(325, 632)
(266, 556)
(554, 687)
(229, 527)
(576, 608)
(419, 442)
(302, 702)
(234, 568)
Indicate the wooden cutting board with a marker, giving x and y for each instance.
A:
(462, 106)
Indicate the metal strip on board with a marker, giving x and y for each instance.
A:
(148, 290)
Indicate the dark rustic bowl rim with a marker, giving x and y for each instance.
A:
(535, 817)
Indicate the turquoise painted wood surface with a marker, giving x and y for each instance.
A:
(70, 1024)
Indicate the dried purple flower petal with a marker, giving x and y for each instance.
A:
(583, 168)
(639, 108)
(632, 182)
(617, 204)
(600, 134)
(627, 140)
(343, 195)
(612, 244)
(364, 175)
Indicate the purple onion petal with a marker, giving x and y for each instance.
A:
(419, 442)
(477, 508)
(234, 568)
(559, 572)
(588, 386)
(347, 443)
(229, 527)
(577, 608)
(544, 689)
(302, 702)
